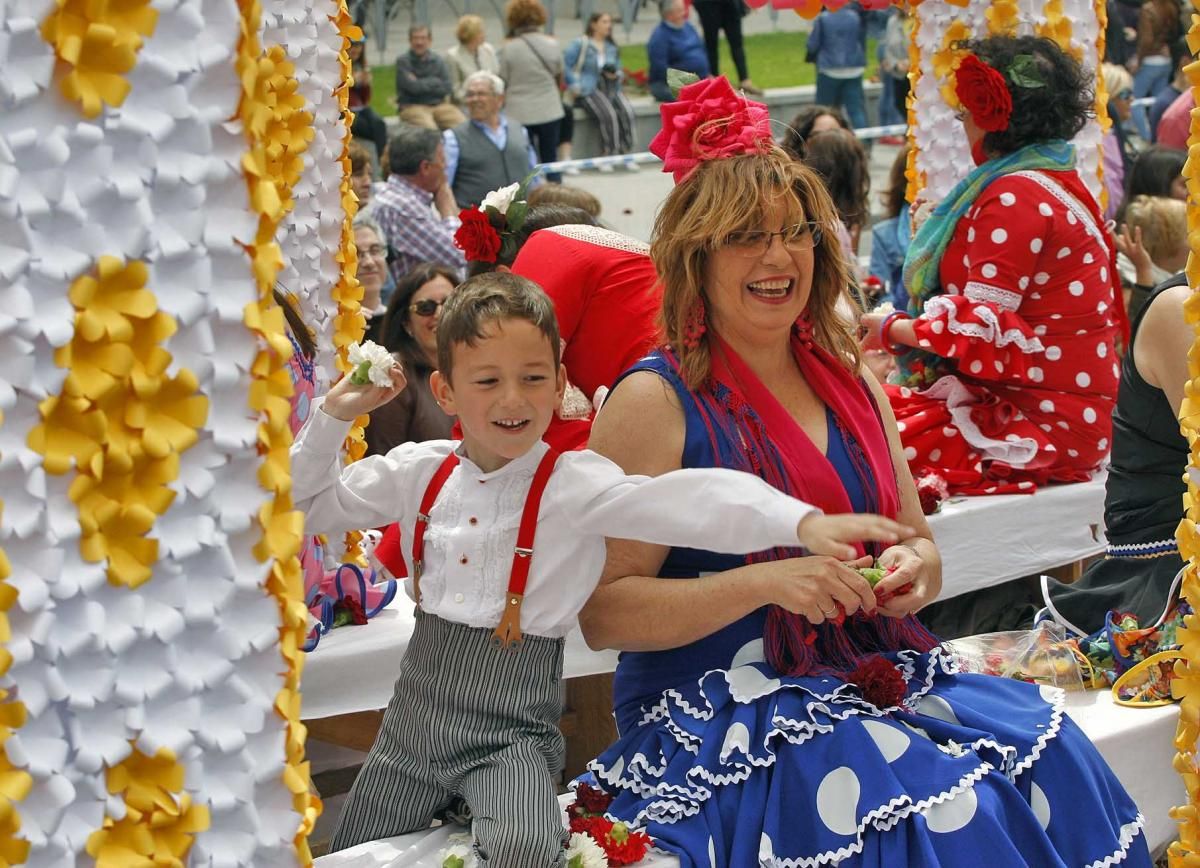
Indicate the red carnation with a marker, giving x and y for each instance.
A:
(477, 238)
(879, 682)
(595, 826)
(932, 489)
(353, 609)
(983, 92)
(708, 121)
(623, 847)
(591, 800)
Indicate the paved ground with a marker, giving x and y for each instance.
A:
(631, 199)
(567, 23)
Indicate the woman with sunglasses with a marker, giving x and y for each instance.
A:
(1007, 352)
(1116, 150)
(775, 709)
(409, 331)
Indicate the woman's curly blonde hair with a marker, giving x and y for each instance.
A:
(724, 196)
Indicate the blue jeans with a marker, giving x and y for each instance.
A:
(1147, 81)
(846, 93)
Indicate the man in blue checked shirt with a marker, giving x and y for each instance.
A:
(416, 208)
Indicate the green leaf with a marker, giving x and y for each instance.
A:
(1024, 72)
(873, 575)
(517, 212)
(359, 376)
(576, 861)
(677, 80)
(453, 862)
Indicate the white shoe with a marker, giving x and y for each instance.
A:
(605, 167)
(570, 170)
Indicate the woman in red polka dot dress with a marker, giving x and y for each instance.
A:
(1010, 371)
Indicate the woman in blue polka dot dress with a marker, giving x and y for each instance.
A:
(775, 710)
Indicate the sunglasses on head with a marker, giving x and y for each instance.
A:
(426, 306)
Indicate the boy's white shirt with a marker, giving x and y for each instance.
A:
(473, 525)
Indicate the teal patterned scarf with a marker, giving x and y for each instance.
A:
(924, 259)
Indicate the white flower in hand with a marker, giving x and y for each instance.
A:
(371, 364)
(583, 852)
(500, 199)
(458, 853)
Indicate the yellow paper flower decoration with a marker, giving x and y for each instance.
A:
(1057, 27)
(1186, 686)
(278, 131)
(1101, 103)
(98, 41)
(916, 179)
(160, 820)
(947, 58)
(1002, 18)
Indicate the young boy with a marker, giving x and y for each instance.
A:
(469, 719)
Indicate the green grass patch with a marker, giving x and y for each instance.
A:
(775, 60)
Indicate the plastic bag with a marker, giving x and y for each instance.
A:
(1040, 656)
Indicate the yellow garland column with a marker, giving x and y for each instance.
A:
(1186, 851)
(349, 323)
(277, 132)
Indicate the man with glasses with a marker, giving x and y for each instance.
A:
(416, 208)
(487, 151)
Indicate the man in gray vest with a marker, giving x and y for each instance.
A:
(487, 151)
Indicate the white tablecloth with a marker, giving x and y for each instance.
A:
(1136, 742)
(983, 541)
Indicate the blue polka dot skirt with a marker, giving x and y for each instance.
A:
(746, 768)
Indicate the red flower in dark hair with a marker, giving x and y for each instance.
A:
(477, 238)
(983, 92)
(709, 121)
(879, 682)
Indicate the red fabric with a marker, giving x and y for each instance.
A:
(1029, 316)
(1175, 124)
(607, 302)
(812, 476)
(389, 553)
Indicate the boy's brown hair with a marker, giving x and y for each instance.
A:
(490, 298)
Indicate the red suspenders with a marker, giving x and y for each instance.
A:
(508, 632)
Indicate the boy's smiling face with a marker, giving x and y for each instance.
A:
(504, 390)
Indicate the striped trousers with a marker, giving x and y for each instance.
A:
(614, 116)
(472, 722)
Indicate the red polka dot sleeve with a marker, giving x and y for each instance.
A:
(987, 270)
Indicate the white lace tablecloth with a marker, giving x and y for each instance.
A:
(984, 541)
(1136, 742)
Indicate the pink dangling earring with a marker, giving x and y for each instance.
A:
(804, 329)
(695, 327)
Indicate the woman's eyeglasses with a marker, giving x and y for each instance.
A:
(756, 242)
(426, 306)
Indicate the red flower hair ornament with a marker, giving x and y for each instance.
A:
(983, 92)
(709, 121)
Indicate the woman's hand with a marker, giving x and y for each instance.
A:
(816, 586)
(347, 401)
(907, 568)
(869, 325)
(1130, 243)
